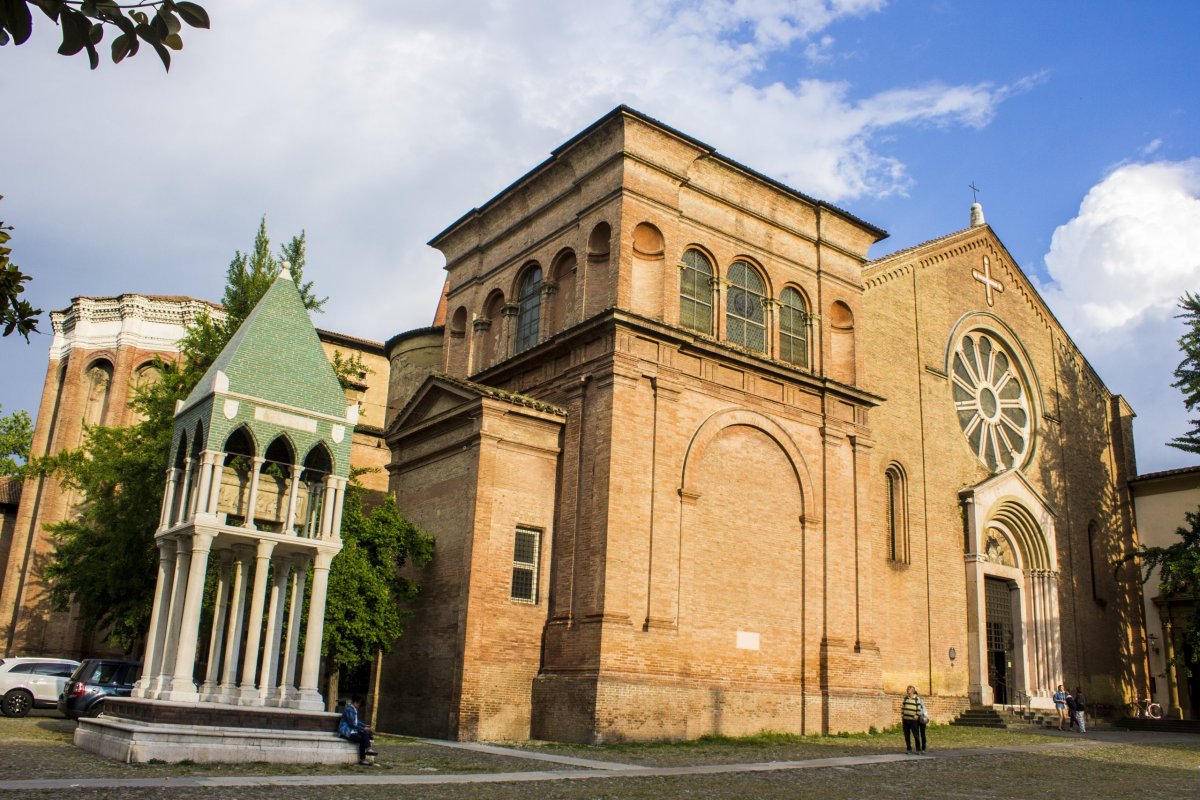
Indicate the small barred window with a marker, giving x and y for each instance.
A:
(525, 565)
(745, 317)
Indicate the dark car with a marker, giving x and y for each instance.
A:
(94, 680)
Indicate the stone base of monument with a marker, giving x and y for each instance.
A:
(138, 731)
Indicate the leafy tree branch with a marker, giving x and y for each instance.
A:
(83, 23)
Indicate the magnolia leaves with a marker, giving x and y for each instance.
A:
(82, 23)
(16, 315)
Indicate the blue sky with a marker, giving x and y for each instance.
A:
(372, 125)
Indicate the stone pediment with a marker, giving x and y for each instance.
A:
(441, 394)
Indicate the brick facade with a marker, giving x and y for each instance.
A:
(717, 541)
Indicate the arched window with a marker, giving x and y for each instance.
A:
(793, 327)
(745, 322)
(1093, 543)
(317, 466)
(695, 292)
(99, 384)
(529, 309)
(896, 514)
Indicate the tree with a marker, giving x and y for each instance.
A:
(16, 439)
(1179, 579)
(83, 23)
(15, 314)
(1187, 374)
(1179, 563)
(365, 610)
(121, 472)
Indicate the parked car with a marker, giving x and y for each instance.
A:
(27, 683)
(93, 681)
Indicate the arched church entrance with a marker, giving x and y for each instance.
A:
(1014, 648)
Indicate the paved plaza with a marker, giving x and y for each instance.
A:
(37, 760)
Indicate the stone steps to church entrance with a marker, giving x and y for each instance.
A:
(1016, 718)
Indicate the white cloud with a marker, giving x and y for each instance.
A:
(1119, 268)
(375, 124)
(1133, 248)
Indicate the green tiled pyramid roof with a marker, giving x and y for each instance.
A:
(276, 356)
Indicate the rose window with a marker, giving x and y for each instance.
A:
(991, 401)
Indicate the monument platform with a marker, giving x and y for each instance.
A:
(137, 731)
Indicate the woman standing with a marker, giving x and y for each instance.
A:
(1060, 705)
(913, 718)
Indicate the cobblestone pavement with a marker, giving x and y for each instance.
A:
(36, 761)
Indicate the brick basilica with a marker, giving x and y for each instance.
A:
(696, 463)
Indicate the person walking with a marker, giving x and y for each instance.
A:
(1080, 710)
(1071, 710)
(913, 719)
(1060, 705)
(351, 729)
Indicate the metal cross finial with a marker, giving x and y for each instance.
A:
(974, 192)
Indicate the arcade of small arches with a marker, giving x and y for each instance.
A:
(273, 492)
(739, 307)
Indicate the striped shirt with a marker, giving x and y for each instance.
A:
(911, 708)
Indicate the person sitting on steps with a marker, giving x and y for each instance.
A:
(351, 729)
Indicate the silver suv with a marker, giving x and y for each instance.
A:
(27, 683)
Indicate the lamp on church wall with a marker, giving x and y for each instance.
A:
(953, 656)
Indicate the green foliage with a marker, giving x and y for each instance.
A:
(83, 22)
(364, 612)
(251, 274)
(15, 314)
(1187, 374)
(349, 370)
(1179, 578)
(16, 439)
(105, 559)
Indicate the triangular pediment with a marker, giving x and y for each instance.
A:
(435, 397)
(978, 271)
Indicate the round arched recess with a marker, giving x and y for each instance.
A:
(712, 427)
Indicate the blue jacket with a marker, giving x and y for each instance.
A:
(349, 723)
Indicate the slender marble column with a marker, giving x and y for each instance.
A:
(242, 555)
(205, 483)
(216, 641)
(309, 698)
(335, 530)
(183, 560)
(327, 511)
(270, 671)
(185, 490)
(164, 520)
(252, 500)
(156, 638)
(287, 677)
(214, 491)
(248, 693)
(182, 687)
(293, 493)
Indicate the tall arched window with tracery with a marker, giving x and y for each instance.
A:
(896, 514)
(793, 327)
(745, 311)
(529, 309)
(695, 292)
